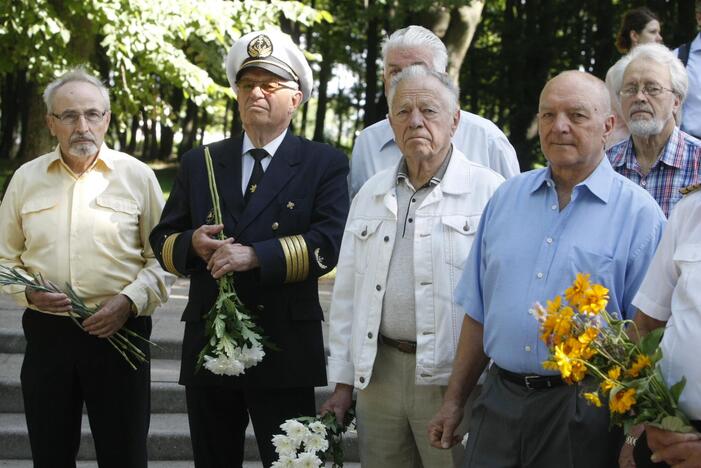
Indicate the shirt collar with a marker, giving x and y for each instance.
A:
(696, 43)
(625, 152)
(403, 171)
(598, 183)
(271, 147)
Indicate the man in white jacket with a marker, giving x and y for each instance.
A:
(393, 325)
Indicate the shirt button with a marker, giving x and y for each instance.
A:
(527, 349)
(539, 275)
(411, 220)
(643, 183)
(549, 184)
(386, 238)
(378, 287)
(370, 335)
(362, 380)
(549, 240)
(554, 207)
(413, 200)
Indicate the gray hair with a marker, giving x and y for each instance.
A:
(417, 37)
(662, 55)
(77, 74)
(419, 71)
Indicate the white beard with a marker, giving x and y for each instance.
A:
(83, 150)
(645, 128)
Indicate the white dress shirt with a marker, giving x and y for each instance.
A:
(248, 162)
(691, 111)
(671, 293)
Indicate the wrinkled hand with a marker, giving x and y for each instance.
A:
(48, 302)
(232, 257)
(339, 401)
(441, 429)
(680, 450)
(203, 242)
(111, 316)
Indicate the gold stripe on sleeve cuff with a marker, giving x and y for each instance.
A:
(288, 259)
(296, 258)
(167, 253)
(302, 257)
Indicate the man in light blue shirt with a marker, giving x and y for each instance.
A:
(691, 111)
(478, 138)
(539, 230)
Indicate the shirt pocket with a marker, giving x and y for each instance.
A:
(458, 235)
(687, 259)
(39, 221)
(364, 233)
(116, 221)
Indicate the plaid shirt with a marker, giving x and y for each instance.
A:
(678, 167)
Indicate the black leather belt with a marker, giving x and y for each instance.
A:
(404, 346)
(531, 382)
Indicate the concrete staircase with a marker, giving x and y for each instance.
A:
(169, 436)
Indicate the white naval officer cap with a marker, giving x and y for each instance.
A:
(272, 51)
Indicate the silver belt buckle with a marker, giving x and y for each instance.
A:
(527, 379)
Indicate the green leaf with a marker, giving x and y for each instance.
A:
(651, 342)
(677, 388)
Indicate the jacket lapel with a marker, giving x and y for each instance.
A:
(281, 169)
(228, 158)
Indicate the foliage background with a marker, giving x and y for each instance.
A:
(164, 61)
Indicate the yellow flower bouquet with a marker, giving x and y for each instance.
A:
(585, 340)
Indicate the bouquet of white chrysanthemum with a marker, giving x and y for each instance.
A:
(234, 341)
(310, 442)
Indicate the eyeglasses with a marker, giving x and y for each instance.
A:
(92, 116)
(268, 87)
(648, 90)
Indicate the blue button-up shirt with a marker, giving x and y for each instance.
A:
(526, 250)
(691, 112)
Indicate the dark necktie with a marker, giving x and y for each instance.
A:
(258, 154)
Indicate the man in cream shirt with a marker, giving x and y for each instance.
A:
(81, 215)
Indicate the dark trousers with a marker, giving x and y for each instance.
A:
(512, 426)
(63, 367)
(219, 416)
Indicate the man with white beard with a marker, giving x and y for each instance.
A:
(658, 156)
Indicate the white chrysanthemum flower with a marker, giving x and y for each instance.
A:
(284, 445)
(350, 428)
(252, 355)
(315, 443)
(295, 430)
(223, 365)
(307, 460)
(285, 461)
(317, 427)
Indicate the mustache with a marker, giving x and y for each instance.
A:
(82, 136)
(639, 108)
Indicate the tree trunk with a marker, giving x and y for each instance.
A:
(134, 131)
(372, 44)
(189, 127)
(36, 138)
(322, 92)
(11, 86)
(236, 127)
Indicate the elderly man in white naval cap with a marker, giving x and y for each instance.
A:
(284, 202)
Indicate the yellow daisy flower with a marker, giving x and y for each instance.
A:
(622, 401)
(576, 293)
(595, 300)
(641, 363)
(613, 375)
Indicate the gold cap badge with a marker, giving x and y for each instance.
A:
(260, 46)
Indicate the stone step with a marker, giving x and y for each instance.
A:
(169, 439)
(167, 396)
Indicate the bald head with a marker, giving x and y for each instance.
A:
(584, 83)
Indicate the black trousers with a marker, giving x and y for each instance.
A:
(219, 416)
(65, 367)
(512, 426)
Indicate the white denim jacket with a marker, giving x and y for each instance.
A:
(445, 224)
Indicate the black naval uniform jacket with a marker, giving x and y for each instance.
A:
(294, 221)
